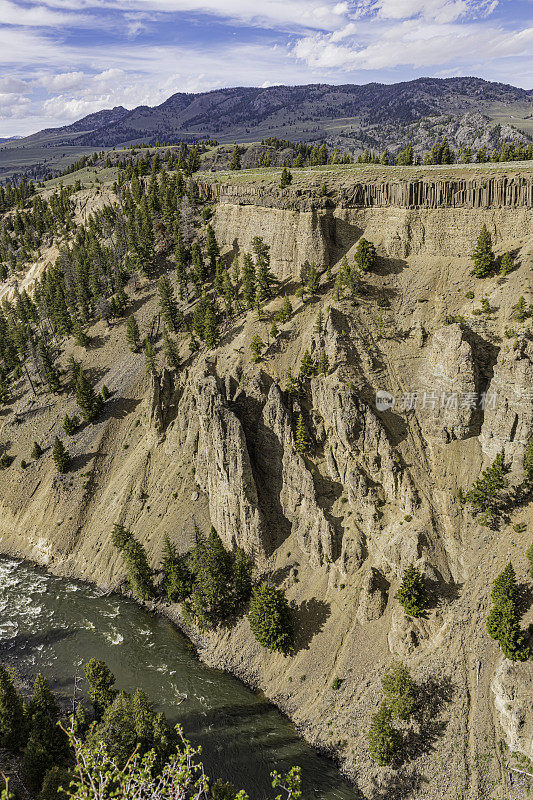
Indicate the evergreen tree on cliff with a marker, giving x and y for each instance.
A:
(60, 456)
(270, 618)
(483, 256)
(89, 402)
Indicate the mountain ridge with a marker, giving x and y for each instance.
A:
(239, 109)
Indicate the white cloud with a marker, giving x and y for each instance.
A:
(11, 84)
(13, 106)
(37, 16)
(63, 81)
(417, 43)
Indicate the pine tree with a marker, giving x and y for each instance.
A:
(80, 336)
(365, 255)
(307, 366)
(69, 425)
(101, 685)
(486, 493)
(301, 439)
(412, 592)
(51, 373)
(483, 257)
(291, 384)
(210, 331)
(266, 281)
(169, 307)
(12, 720)
(140, 574)
(212, 596)
(319, 324)
(89, 402)
(37, 451)
(248, 281)
(177, 578)
(286, 178)
(338, 287)
(150, 357)
(286, 309)
(242, 575)
(180, 255)
(170, 349)
(400, 691)
(270, 618)
(313, 279)
(61, 456)
(235, 162)
(132, 334)
(528, 462)
(506, 264)
(503, 620)
(520, 311)
(212, 249)
(256, 346)
(322, 367)
(47, 743)
(384, 741)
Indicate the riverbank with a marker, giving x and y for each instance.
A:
(57, 624)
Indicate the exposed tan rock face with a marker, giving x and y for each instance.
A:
(334, 528)
(159, 399)
(358, 452)
(448, 396)
(224, 472)
(373, 596)
(401, 218)
(508, 418)
(313, 532)
(512, 686)
(503, 191)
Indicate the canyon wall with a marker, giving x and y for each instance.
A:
(376, 491)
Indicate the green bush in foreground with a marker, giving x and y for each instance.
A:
(98, 776)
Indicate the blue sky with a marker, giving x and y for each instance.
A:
(62, 59)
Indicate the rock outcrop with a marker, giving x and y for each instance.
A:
(512, 686)
(448, 397)
(224, 472)
(508, 417)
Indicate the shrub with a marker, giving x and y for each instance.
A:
(412, 592)
(384, 741)
(400, 691)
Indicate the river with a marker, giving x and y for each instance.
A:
(53, 626)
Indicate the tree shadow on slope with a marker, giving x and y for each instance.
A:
(309, 619)
(119, 407)
(399, 785)
(433, 695)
